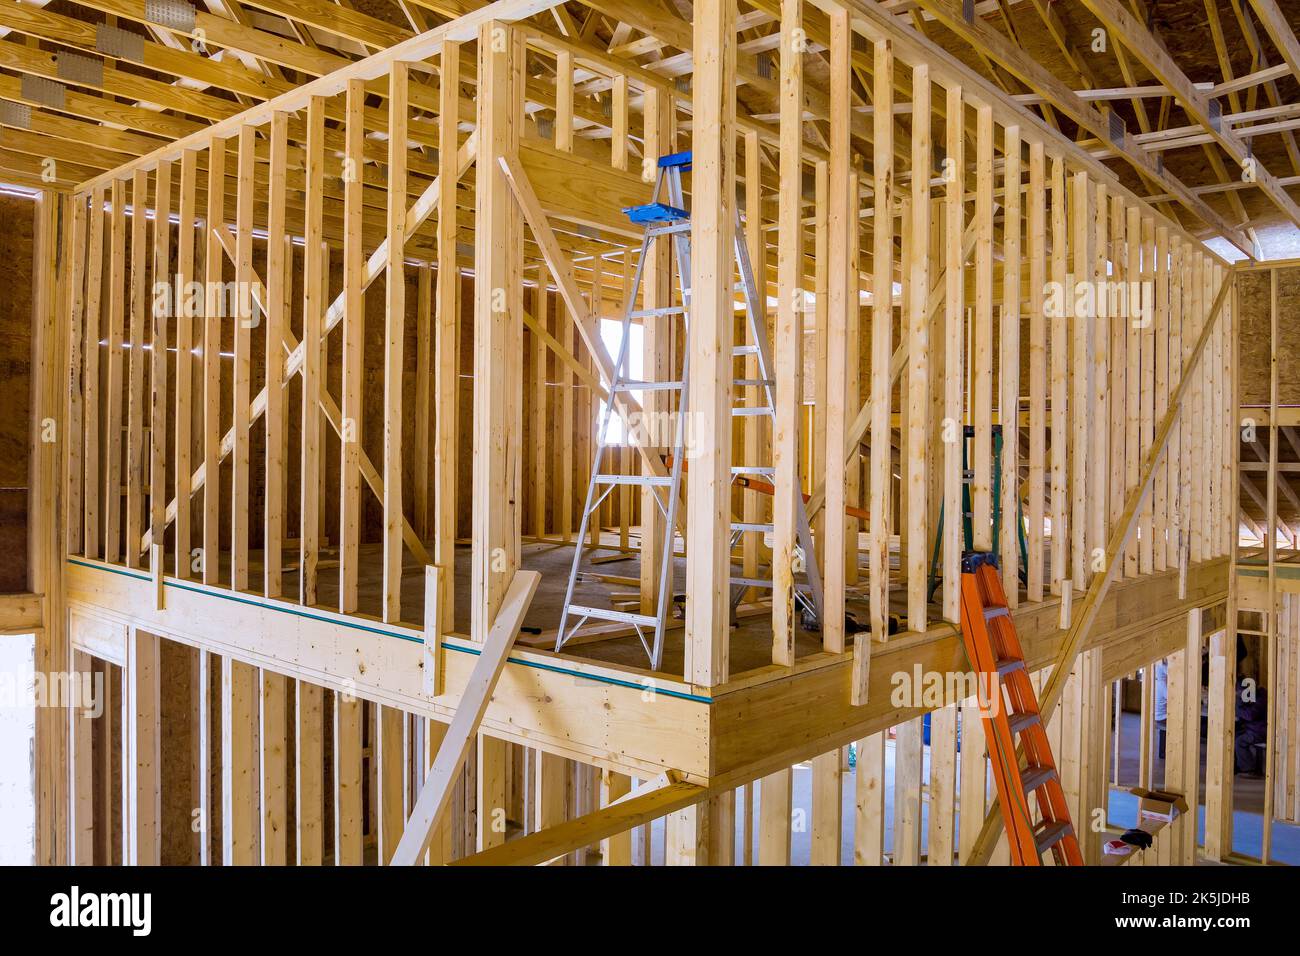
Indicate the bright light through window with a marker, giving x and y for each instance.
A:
(17, 721)
(611, 333)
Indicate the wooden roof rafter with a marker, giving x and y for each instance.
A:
(198, 89)
(1156, 59)
(1042, 80)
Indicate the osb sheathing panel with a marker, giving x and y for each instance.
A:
(178, 668)
(16, 227)
(1254, 295)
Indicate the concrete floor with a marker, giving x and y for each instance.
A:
(1247, 801)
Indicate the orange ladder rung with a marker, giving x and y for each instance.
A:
(994, 650)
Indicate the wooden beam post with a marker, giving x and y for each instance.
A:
(139, 299)
(789, 334)
(309, 769)
(159, 319)
(273, 767)
(882, 347)
(239, 818)
(214, 260)
(658, 340)
(917, 336)
(112, 490)
(827, 809)
(842, 295)
(315, 266)
(392, 771)
(954, 317)
(243, 366)
(81, 807)
(1009, 369)
(1219, 738)
(498, 331)
(143, 822)
(774, 809)
(354, 335)
(348, 783)
(616, 849)
(1037, 369)
(279, 256)
(446, 339)
(712, 316)
(394, 340)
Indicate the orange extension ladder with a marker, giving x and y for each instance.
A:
(995, 654)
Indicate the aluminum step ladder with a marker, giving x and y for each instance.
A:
(667, 218)
(1010, 710)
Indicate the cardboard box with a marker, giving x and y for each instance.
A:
(1159, 804)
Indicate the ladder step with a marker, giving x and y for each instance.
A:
(1008, 664)
(1031, 778)
(767, 470)
(981, 594)
(744, 350)
(1050, 835)
(608, 614)
(744, 411)
(752, 582)
(642, 480)
(1019, 723)
(755, 382)
(751, 526)
(634, 386)
(668, 230)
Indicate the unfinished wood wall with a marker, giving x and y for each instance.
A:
(17, 227)
(201, 759)
(212, 340)
(985, 259)
(1255, 304)
(1285, 690)
(911, 787)
(229, 279)
(1266, 624)
(1013, 284)
(974, 269)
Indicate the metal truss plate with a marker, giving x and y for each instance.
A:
(172, 14)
